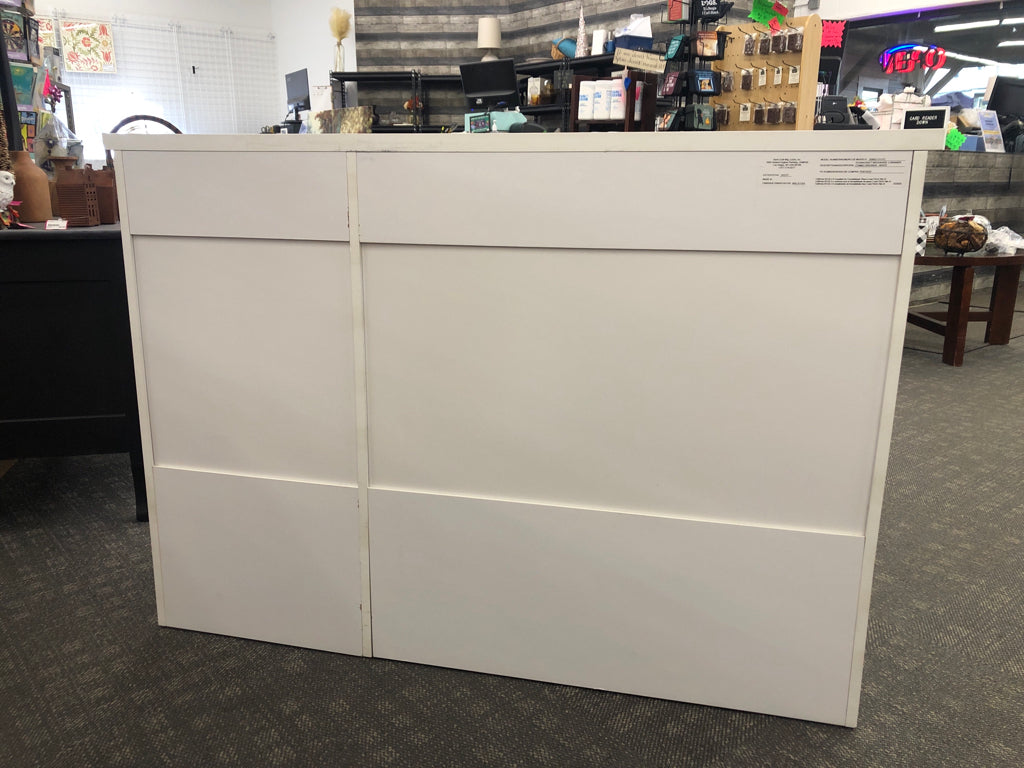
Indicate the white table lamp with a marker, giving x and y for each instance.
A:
(488, 35)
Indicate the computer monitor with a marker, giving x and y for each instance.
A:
(297, 87)
(1007, 97)
(490, 84)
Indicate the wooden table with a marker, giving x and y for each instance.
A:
(952, 324)
(68, 386)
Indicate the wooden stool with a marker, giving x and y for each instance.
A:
(999, 315)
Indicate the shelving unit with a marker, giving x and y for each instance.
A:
(629, 123)
(419, 87)
(409, 79)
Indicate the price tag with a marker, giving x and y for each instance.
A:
(762, 77)
(794, 75)
(745, 112)
(777, 76)
(57, 224)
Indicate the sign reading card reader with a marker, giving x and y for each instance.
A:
(927, 117)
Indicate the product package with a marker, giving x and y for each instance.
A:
(795, 40)
(746, 79)
(699, 117)
(711, 44)
(721, 115)
(727, 81)
(668, 121)
(676, 48)
(705, 82)
(670, 85)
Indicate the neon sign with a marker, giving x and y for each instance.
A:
(907, 57)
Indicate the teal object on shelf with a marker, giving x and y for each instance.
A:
(566, 47)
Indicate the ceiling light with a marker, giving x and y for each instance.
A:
(974, 59)
(1013, 21)
(1008, 43)
(967, 25)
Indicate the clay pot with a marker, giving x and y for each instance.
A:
(31, 187)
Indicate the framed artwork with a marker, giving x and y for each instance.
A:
(23, 77)
(35, 53)
(14, 34)
(47, 32)
(88, 47)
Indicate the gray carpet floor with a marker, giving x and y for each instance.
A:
(87, 678)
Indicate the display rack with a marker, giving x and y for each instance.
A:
(801, 94)
(409, 79)
(628, 123)
(685, 99)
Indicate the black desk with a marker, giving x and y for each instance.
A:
(68, 382)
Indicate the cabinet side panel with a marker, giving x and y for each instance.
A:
(731, 616)
(263, 559)
(286, 195)
(531, 200)
(726, 386)
(249, 356)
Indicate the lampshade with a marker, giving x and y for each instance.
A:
(488, 33)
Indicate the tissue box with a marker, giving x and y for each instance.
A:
(634, 43)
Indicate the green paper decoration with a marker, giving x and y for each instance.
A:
(764, 11)
(954, 139)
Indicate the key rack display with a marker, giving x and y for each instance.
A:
(766, 73)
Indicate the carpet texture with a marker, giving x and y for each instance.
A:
(87, 678)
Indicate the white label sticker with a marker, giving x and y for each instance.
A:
(57, 224)
(794, 75)
(762, 77)
(745, 112)
(777, 76)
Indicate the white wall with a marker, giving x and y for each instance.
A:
(304, 38)
(232, 13)
(860, 9)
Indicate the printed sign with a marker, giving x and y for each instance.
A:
(649, 62)
(709, 9)
(991, 133)
(925, 117)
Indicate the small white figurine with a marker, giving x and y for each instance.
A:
(6, 189)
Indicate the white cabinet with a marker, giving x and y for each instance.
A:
(399, 407)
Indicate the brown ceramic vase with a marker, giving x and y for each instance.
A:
(31, 187)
